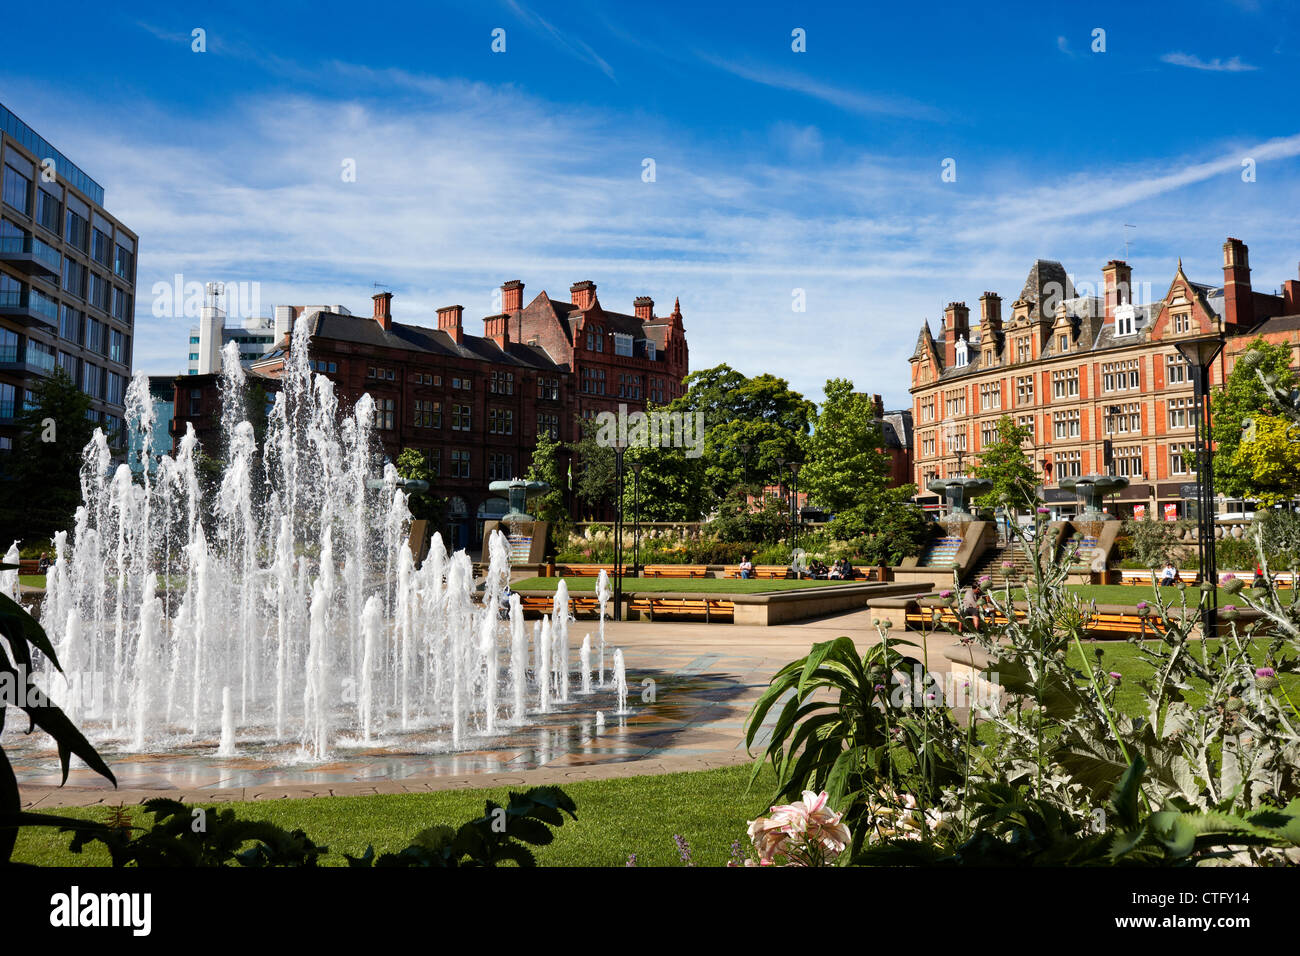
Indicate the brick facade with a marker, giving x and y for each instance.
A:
(1082, 369)
(475, 403)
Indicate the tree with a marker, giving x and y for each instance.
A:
(44, 481)
(413, 465)
(1005, 463)
(846, 469)
(750, 424)
(547, 466)
(592, 466)
(1267, 460)
(1244, 401)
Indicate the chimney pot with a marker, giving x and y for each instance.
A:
(1238, 301)
(1118, 279)
(384, 310)
(643, 307)
(583, 293)
(512, 296)
(449, 321)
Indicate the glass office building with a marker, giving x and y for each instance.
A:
(67, 281)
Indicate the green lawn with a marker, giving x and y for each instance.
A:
(694, 585)
(32, 580)
(616, 818)
(1128, 594)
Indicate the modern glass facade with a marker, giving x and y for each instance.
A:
(67, 281)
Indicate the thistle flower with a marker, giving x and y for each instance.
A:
(1229, 612)
(1044, 511)
(683, 849)
(1116, 676)
(1265, 678)
(1008, 566)
(1232, 584)
(985, 580)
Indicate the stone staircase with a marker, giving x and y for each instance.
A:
(990, 563)
(941, 553)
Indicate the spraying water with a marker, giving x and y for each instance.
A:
(277, 602)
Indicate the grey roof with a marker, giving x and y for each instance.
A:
(1045, 286)
(896, 428)
(364, 330)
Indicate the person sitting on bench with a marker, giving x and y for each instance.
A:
(1169, 575)
(746, 567)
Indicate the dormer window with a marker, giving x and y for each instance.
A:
(963, 353)
(1062, 343)
(1125, 320)
(649, 350)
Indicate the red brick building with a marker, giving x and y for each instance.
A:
(1078, 370)
(476, 403)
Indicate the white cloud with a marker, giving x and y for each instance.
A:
(1231, 65)
(474, 184)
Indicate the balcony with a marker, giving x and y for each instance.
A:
(26, 362)
(29, 306)
(28, 254)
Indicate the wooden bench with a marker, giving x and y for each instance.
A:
(711, 608)
(29, 566)
(675, 571)
(1126, 624)
(535, 603)
(764, 572)
(585, 570)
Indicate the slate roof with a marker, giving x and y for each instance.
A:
(364, 330)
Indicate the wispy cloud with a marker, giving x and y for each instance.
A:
(449, 201)
(1231, 65)
(575, 46)
(852, 101)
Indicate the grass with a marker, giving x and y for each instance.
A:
(1127, 594)
(693, 585)
(616, 818)
(32, 580)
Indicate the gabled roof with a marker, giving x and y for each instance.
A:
(1046, 285)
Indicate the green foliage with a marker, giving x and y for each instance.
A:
(762, 413)
(902, 531)
(23, 635)
(840, 729)
(1005, 463)
(671, 486)
(181, 836)
(43, 486)
(1153, 542)
(1277, 533)
(846, 468)
(738, 520)
(594, 481)
(501, 835)
(413, 465)
(1243, 399)
(548, 465)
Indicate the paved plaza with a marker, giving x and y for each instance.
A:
(706, 678)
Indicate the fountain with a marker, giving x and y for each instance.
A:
(1092, 491)
(527, 535)
(958, 492)
(279, 608)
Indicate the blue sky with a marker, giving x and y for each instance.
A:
(775, 170)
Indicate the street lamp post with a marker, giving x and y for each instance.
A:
(1200, 354)
(794, 500)
(619, 449)
(636, 518)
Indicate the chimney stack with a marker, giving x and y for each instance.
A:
(1291, 297)
(1119, 287)
(990, 314)
(384, 310)
(449, 322)
(497, 328)
(644, 307)
(512, 296)
(583, 293)
(956, 325)
(1238, 303)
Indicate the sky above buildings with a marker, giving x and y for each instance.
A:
(323, 150)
